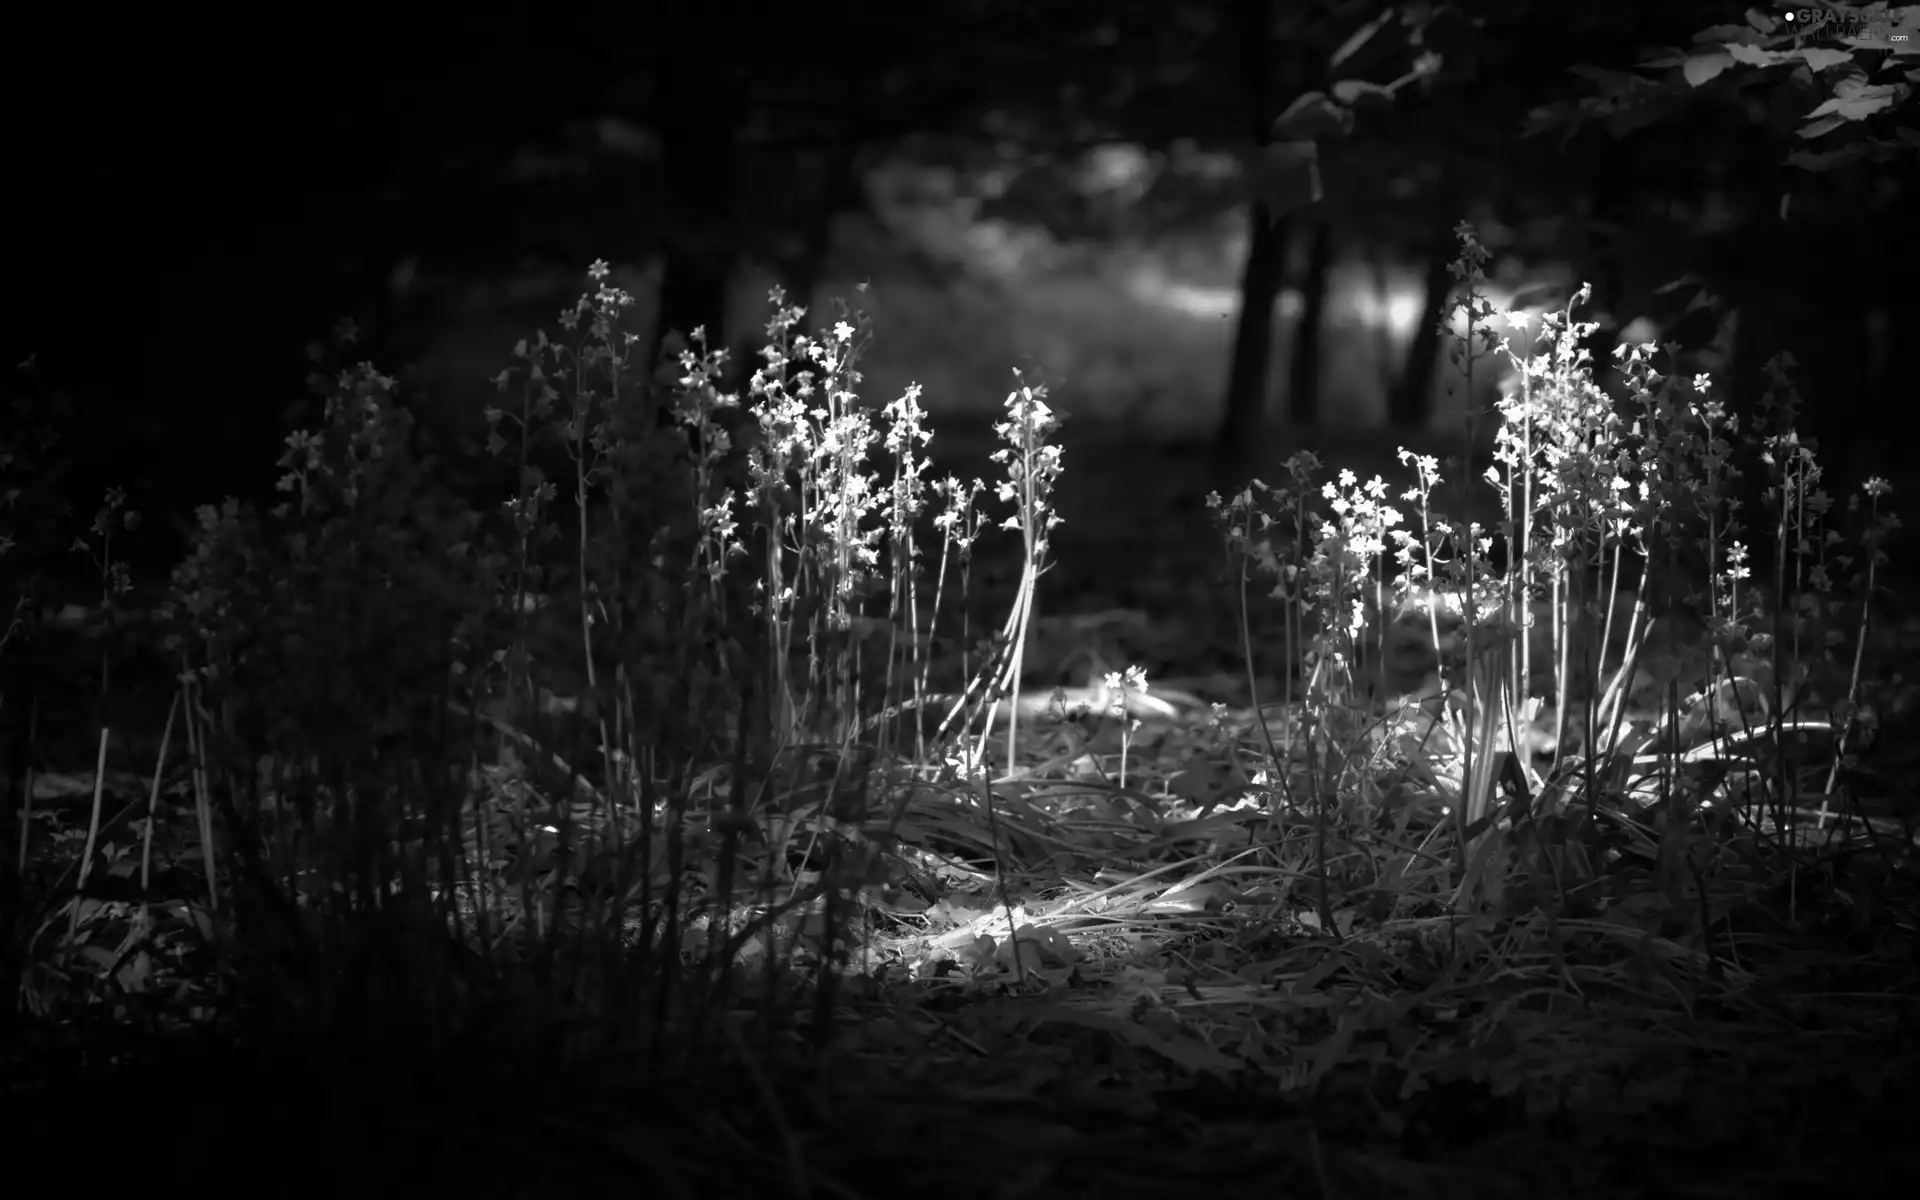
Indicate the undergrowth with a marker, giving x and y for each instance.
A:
(683, 760)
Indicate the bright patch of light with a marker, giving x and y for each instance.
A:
(1116, 167)
(1403, 310)
(1150, 284)
(1397, 310)
(1639, 331)
(1188, 300)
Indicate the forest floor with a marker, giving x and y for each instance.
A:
(1176, 1048)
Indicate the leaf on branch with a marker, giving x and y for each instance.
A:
(1817, 161)
(1854, 101)
(1755, 56)
(1722, 33)
(1819, 58)
(1702, 68)
(1311, 116)
(1624, 121)
(1608, 80)
(1360, 38)
(1360, 95)
(1564, 115)
(1761, 21)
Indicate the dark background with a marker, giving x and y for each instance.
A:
(198, 197)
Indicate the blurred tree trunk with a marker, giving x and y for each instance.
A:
(1303, 369)
(840, 193)
(1831, 348)
(1832, 332)
(1410, 403)
(1242, 433)
(800, 262)
(698, 117)
(1243, 428)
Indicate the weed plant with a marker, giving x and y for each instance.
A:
(684, 750)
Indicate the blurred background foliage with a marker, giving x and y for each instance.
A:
(1083, 190)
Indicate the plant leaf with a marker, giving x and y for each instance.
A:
(1821, 126)
(1310, 116)
(1856, 102)
(1819, 58)
(1754, 56)
(1703, 68)
(1361, 95)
